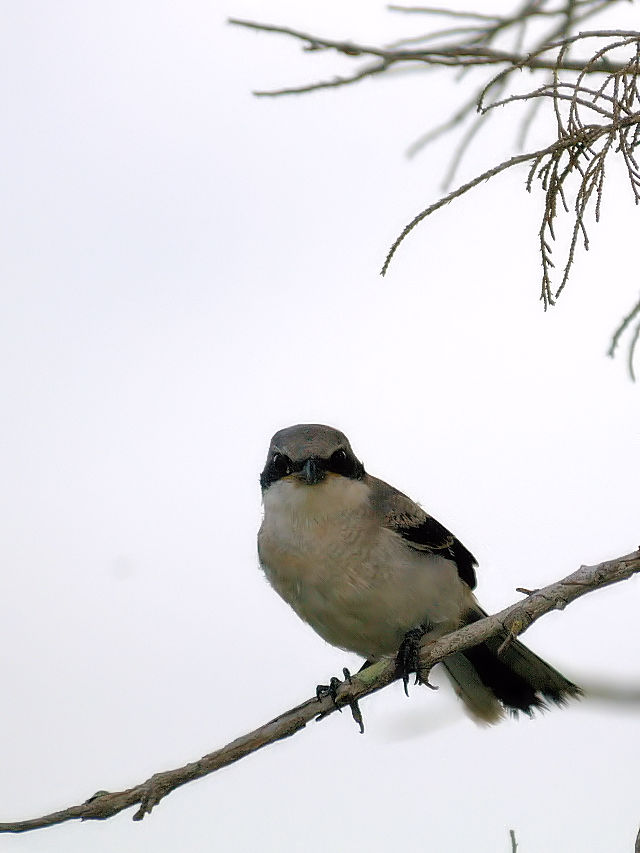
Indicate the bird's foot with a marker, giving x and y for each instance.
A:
(331, 689)
(408, 659)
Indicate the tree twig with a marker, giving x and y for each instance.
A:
(580, 139)
(572, 169)
(455, 55)
(615, 340)
(514, 620)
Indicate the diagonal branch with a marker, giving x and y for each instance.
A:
(458, 55)
(586, 136)
(514, 620)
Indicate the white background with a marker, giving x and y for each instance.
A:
(186, 269)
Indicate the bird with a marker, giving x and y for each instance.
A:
(368, 568)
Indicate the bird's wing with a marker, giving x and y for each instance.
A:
(420, 530)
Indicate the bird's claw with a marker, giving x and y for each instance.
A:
(356, 713)
(408, 659)
(331, 689)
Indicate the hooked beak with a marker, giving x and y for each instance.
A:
(311, 471)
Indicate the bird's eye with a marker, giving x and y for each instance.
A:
(278, 466)
(281, 464)
(338, 462)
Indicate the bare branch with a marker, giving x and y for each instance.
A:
(461, 56)
(511, 622)
(626, 322)
(580, 141)
(457, 118)
(485, 176)
(574, 153)
(335, 82)
(632, 348)
(593, 123)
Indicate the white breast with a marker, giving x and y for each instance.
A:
(355, 582)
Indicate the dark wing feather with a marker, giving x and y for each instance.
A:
(423, 532)
(431, 536)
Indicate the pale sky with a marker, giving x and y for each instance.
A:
(187, 269)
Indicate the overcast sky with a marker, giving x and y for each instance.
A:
(186, 269)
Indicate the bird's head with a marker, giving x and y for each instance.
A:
(307, 454)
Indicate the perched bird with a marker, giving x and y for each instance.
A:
(365, 566)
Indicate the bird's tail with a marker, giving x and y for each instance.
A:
(514, 680)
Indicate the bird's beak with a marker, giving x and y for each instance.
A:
(311, 472)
